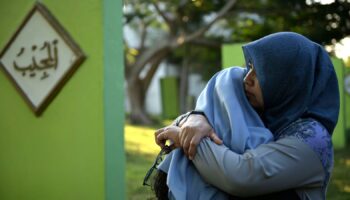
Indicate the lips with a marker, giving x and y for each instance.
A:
(248, 94)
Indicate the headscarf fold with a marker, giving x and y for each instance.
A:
(297, 79)
(234, 120)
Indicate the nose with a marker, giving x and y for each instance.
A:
(247, 80)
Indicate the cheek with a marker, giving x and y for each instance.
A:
(260, 95)
(258, 90)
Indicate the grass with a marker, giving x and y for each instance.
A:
(339, 187)
(141, 152)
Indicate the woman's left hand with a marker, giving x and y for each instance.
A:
(168, 133)
(193, 131)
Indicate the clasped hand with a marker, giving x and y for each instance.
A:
(188, 135)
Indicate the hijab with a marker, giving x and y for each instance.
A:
(297, 80)
(234, 120)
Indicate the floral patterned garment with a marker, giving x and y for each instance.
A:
(316, 136)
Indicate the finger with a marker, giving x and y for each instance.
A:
(186, 143)
(160, 130)
(168, 134)
(162, 138)
(193, 147)
(173, 138)
(183, 133)
(156, 134)
(213, 136)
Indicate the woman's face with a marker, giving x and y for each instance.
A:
(253, 90)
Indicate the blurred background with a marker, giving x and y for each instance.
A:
(173, 47)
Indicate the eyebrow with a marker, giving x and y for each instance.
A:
(251, 65)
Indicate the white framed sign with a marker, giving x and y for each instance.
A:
(40, 57)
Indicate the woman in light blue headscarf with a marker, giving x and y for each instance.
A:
(291, 83)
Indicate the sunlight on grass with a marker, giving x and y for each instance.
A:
(140, 139)
(347, 162)
(141, 151)
(347, 188)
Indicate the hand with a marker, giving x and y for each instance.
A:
(192, 131)
(168, 133)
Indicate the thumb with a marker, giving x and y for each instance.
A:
(161, 138)
(215, 138)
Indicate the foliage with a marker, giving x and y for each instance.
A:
(324, 24)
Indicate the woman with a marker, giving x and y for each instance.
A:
(292, 84)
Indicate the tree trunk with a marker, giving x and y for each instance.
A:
(137, 101)
(184, 82)
(137, 88)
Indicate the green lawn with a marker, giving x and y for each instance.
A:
(141, 151)
(140, 154)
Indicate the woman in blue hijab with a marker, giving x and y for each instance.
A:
(291, 83)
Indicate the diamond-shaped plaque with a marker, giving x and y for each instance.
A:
(40, 57)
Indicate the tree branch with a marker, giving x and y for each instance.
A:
(154, 66)
(143, 35)
(206, 43)
(166, 19)
(220, 14)
(145, 57)
(126, 64)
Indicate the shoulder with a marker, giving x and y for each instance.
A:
(307, 130)
(315, 135)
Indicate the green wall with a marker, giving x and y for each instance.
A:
(68, 151)
(347, 108)
(232, 55)
(169, 90)
(339, 134)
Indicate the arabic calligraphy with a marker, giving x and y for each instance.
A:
(48, 62)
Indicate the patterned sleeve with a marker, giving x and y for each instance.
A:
(316, 136)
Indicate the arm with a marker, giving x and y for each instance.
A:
(284, 164)
(186, 133)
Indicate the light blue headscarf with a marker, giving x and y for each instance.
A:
(234, 120)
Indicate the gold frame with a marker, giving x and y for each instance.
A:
(65, 77)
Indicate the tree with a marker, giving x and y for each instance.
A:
(181, 26)
(182, 22)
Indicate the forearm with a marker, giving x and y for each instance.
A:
(269, 168)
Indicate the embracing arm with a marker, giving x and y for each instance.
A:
(276, 166)
(285, 164)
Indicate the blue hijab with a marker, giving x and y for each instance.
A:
(234, 120)
(297, 79)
